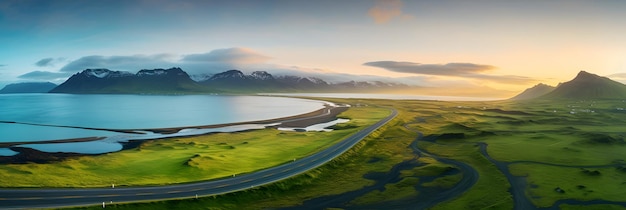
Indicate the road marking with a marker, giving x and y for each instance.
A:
(224, 185)
(267, 175)
(144, 194)
(31, 198)
(175, 191)
(71, 196)
(107, 196)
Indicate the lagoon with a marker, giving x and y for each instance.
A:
(132, 112)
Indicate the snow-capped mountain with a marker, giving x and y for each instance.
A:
(200, 77)
(105, 73)
(261, 75)
(175, 80)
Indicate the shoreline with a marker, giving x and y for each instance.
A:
(26, 155)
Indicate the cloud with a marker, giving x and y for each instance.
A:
(125, 63)
(503, 79)
(229, 55)
(450, 69)
(204, 63)
(462, 70)
(44, 75)
(44, 62)
(386, 10)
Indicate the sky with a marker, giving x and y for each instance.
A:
(494, 47)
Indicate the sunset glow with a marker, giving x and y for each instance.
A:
(521, 42)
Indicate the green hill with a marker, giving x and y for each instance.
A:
(534, 92)
(588, 86)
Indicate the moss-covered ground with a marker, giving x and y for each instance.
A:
(564, 150)
(185, 159)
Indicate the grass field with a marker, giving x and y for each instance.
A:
(577, 183)
(185, 159)
(545, 142)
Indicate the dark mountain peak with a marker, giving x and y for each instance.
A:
(95, 72)
(541, 85)
(173, 80)
(534, 92)
(28, 87)
(261, 75)
(586, 76)
(230, 74)
(588, 86)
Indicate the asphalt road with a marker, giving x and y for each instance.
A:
(48, 198)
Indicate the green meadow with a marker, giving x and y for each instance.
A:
(563, 150)
(186, 159)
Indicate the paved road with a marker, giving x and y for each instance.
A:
(47, 198)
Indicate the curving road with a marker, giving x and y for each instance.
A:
(48, 198)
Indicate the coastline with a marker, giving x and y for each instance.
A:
(26, 155)
(328, 113)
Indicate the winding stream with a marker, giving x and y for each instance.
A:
(518, 184)
(428, 196)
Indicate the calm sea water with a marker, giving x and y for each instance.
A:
(132, 112)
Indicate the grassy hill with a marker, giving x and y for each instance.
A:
(534, 92)
(587, 86)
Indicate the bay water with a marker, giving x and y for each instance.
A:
(36, 117)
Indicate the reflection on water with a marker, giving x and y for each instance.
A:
(133, 112)
(136, 112)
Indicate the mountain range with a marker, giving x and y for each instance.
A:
(154, 81)
(585, 86)
(175, 80)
